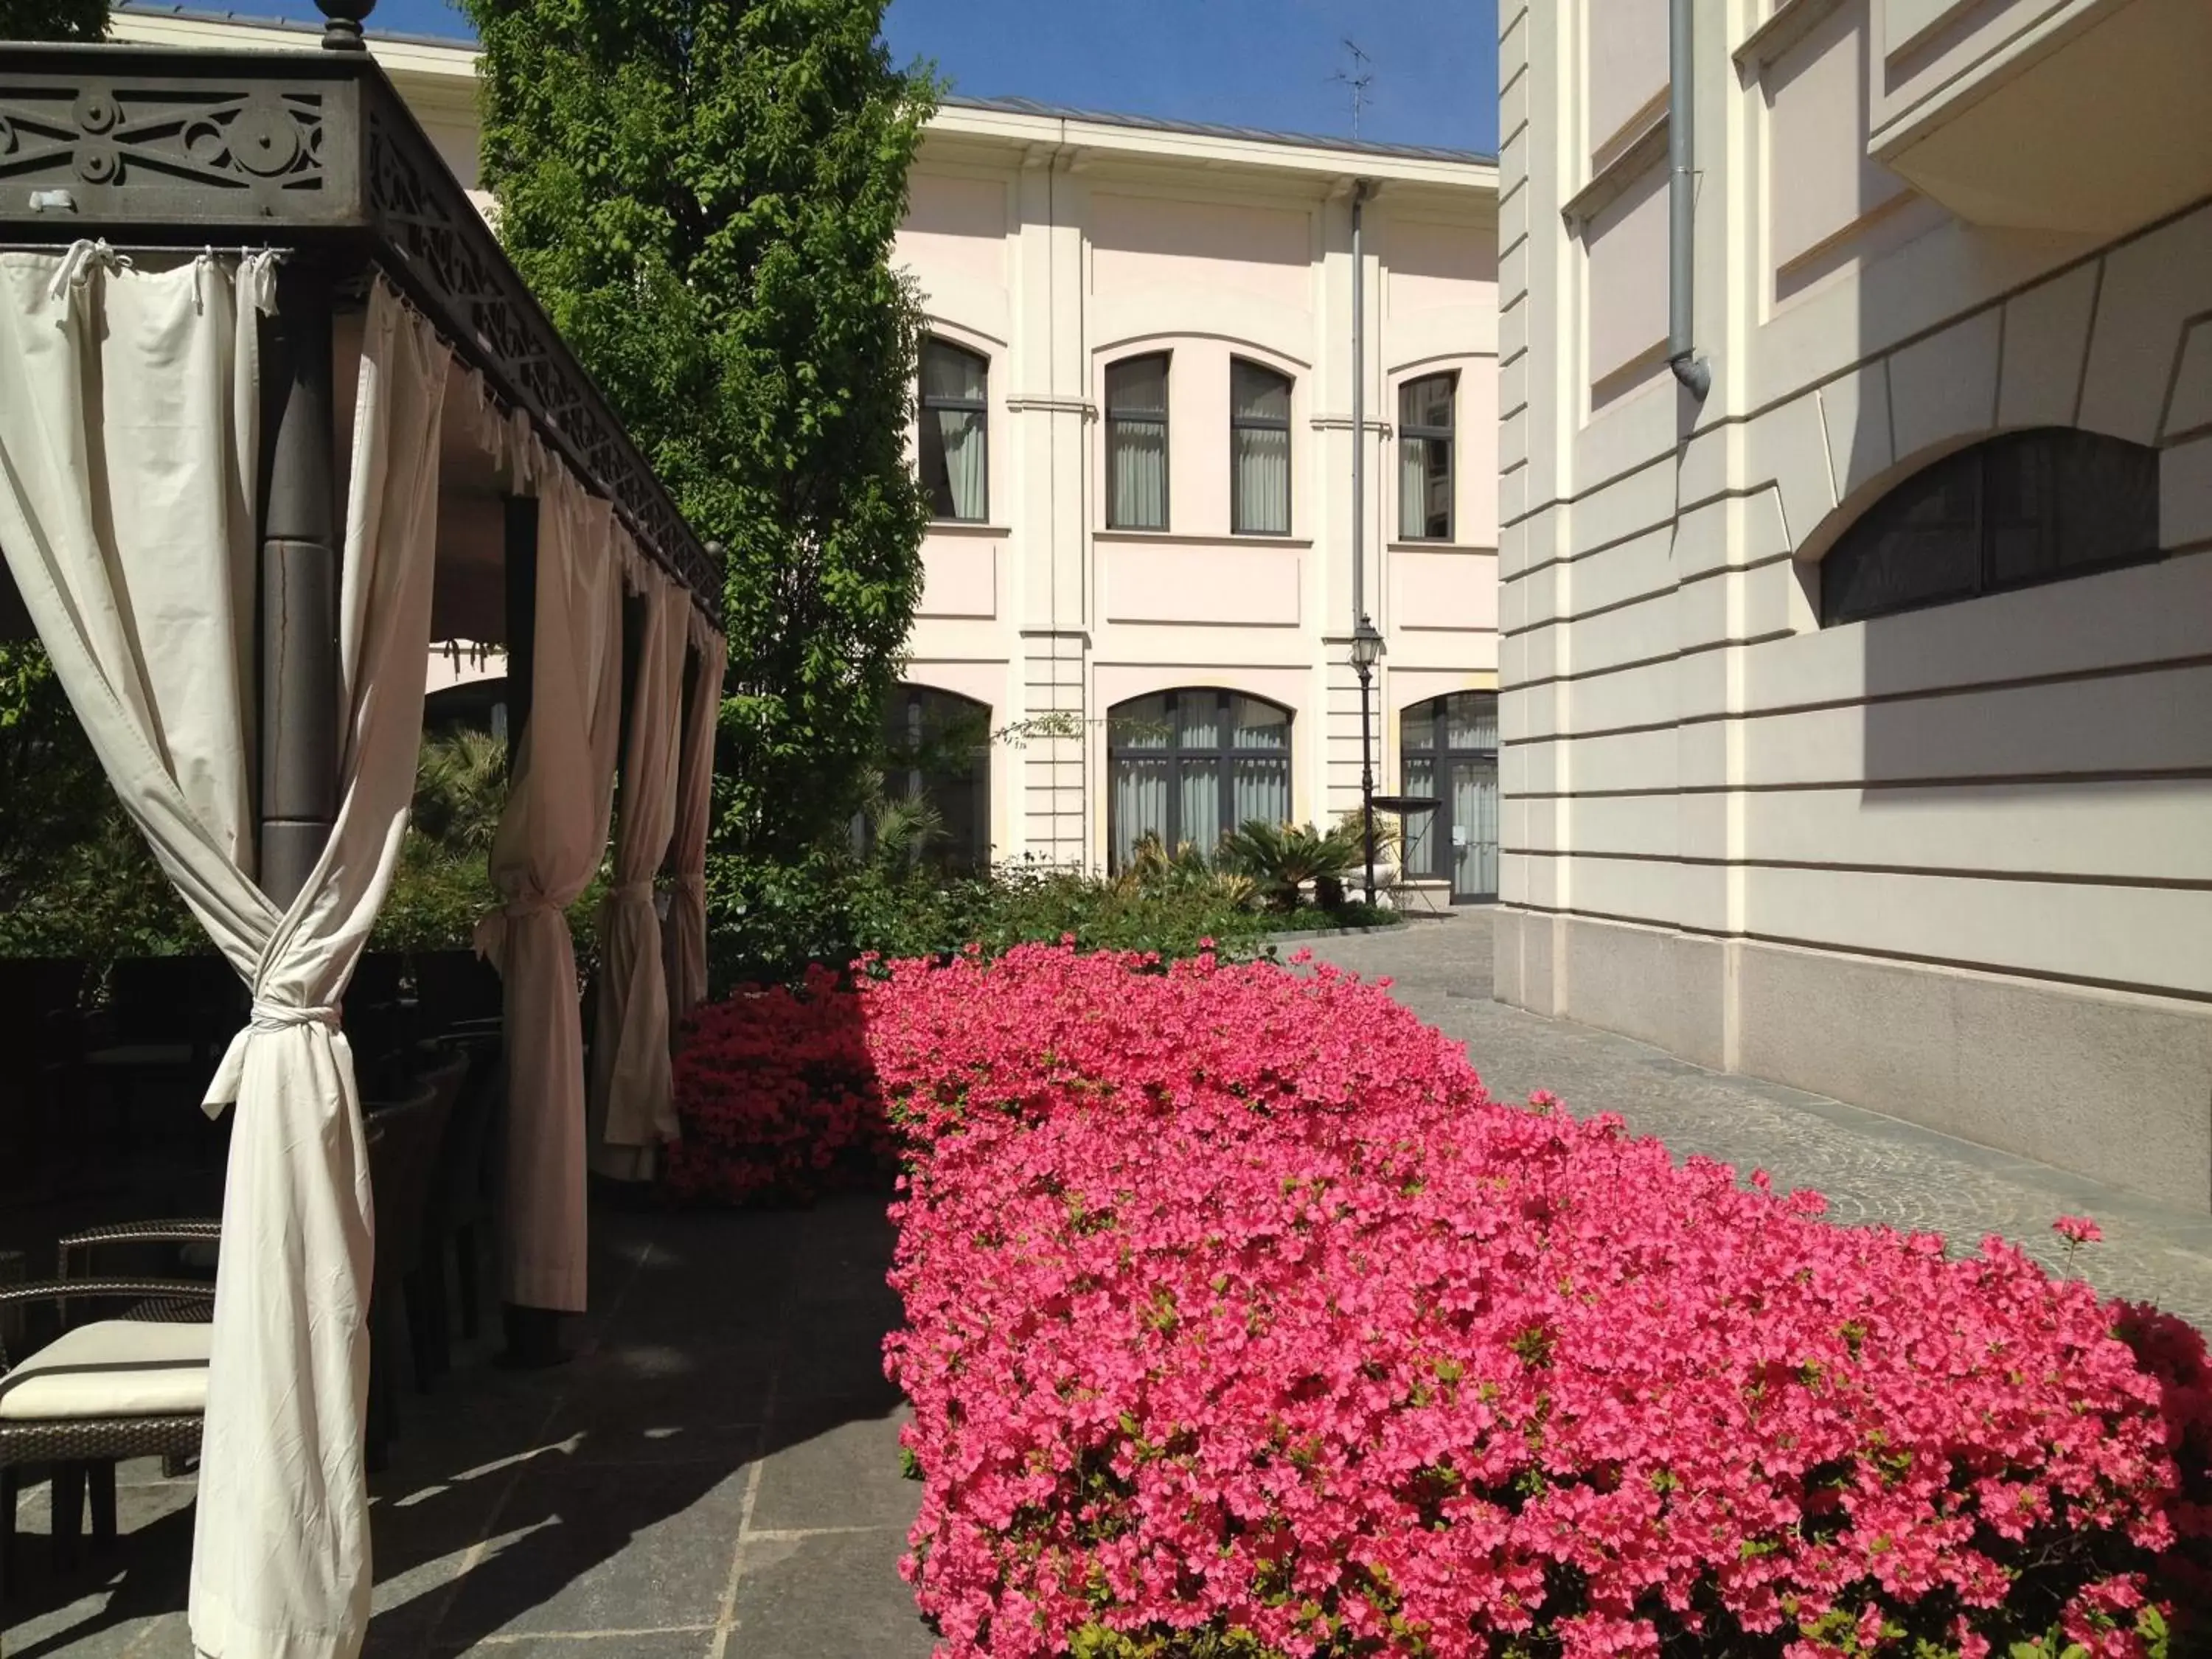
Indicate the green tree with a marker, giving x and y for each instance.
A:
(53, 20)
(703, 195)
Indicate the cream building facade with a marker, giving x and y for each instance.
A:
(1137, 424)
(1857, 717)
(1146, 583)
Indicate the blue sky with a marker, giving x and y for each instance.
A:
(1248, 63)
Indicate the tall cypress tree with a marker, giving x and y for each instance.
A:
(703, 194)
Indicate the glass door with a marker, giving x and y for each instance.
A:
(1472, 810)
(1449, 752)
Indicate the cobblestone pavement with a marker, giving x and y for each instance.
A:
(1870, 1168)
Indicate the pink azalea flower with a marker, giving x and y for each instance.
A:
(1238, 1315)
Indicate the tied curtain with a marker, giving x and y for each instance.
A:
(684, 938)
(632, 1106)
(547, 848)
(953, 443)
(128, 448)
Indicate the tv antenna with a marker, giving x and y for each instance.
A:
(1358, 78)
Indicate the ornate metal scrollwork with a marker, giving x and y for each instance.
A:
(220, 137)
(184, 148)
(444, 245)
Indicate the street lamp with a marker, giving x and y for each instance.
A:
(1366, 652)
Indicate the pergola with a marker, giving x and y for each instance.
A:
(275, 413)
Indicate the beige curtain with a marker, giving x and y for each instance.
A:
(685, 935)
(127, 450)
(632, 1110)
(547, 848)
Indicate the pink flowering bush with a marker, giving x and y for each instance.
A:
(776, 1093)
(1241, 1323)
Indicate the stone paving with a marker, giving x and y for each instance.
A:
(1869, 1167)
(716, 1475)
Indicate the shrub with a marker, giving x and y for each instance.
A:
(770, 920)
(1241, 1323)
(778, 1098)
(1280, 858)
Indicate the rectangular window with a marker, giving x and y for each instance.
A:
(1425, 458)
(1259, 451)
(954, 437)
(1137, 444)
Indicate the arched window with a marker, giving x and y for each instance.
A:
(1137, 443)
(955, 433)
(1189, 766)
(2017, 511)
(937, 749)
(1447, 752)
(1424, 457)
(1259, 450)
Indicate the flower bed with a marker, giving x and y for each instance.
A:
(1241, 1323)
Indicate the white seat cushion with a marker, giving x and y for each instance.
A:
(117, 1368)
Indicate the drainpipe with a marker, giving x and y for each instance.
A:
(1692, 370)
(1359, 193)
(1362, 629)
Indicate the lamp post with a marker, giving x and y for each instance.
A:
(1366, 652)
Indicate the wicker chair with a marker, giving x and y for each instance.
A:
(132, 1387)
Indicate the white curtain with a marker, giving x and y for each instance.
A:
(956, 435)
(549, 841)
(1259, 787)
(1140, 466)
(1259, 423)
(1412, 489)
(1200, 825)
(126, 514)
(960, 434)
(1140, 805)
(632, 1110)
(1263, 482)
(685, 935)
(1137, 443)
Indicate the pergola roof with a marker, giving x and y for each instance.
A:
(163, 148)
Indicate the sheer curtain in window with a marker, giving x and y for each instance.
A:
(1260, 450)
(1260, 784)
(1425, 458)
(1137, 444)
(1140, 803)
(954, 441)
(1474, 826)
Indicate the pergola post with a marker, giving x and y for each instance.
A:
(299, 586)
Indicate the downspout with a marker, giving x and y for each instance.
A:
(1359, 193)
(1692, 370)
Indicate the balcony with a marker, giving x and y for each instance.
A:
(2077, 116)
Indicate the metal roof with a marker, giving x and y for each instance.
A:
(1214, 130)
(954, 101)
(257, 20)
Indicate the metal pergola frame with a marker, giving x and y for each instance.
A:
(172, 151)
(178, 150)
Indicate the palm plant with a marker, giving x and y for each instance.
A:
(1149, 868)
(1282, 858)
(894, 833)
(460, 789)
